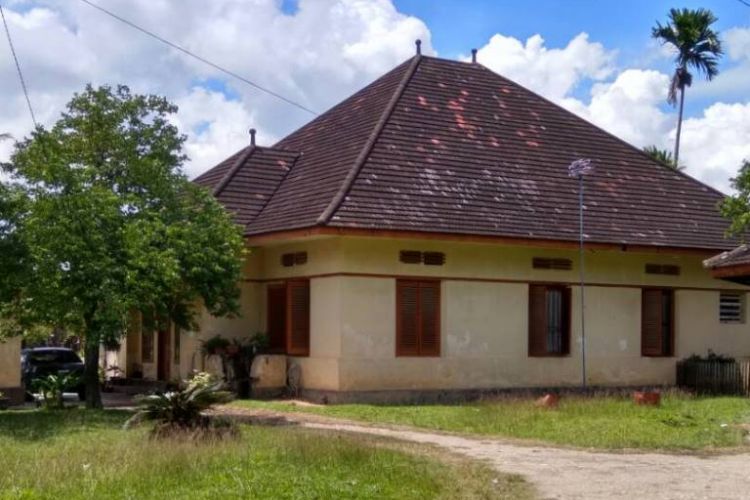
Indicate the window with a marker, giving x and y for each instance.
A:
(549, 320)
(177, 333)
(665, 269)
(298, 317)
(417, 318)
(294, 259)
(288, 317)
(732, 307)
(556, 264)
(417, 257)
(657, 322)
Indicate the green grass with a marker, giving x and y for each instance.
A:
(681, 423)
(76, 454)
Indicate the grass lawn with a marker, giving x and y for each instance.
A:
(681, 423)
(76, 454)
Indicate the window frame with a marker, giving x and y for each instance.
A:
(665, 353)
(566, 320)
(422, 351)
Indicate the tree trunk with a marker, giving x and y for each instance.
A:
(679, 129)
(91, 372)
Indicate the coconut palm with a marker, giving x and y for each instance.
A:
(662, 156)
(5, 137)
(698, 47)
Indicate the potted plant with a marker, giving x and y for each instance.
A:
(215, 346)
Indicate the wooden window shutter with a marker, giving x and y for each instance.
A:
(537, 320)
(298, 317)
(429, 309)
(407, 318)
(651, 322)
(276, 317)
(417, 318)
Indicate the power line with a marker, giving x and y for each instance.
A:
(18, 68)
(199, 58)
(744, 2)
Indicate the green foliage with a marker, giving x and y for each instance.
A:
(662, 156)
(599, 422)
(181, 408)
(52, 388)
(215, 345)
(79, 455)
(737, 206)
(106, 223)
(697, 45)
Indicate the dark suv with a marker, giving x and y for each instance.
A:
(42, 361)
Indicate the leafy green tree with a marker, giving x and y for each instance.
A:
(662, 156)
(110, 225)
(698, 47)
(737, 206)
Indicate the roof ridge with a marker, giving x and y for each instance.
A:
(601, 129)
(273, 193)
(232, 171)
(359, 162)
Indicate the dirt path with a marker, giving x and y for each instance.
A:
(566, 473)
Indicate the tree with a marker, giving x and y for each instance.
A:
(698, 47)
(110, 225)
(737, 207)
(662, 156)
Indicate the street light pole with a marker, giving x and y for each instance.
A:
(579, 168)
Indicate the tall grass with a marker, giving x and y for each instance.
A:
(79, 454)
(609, 422)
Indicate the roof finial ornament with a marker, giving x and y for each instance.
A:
(474, 55)
(252, 137)
(418, 43)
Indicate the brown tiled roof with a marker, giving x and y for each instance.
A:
(246, 181)
(451, 147)
(739, 256)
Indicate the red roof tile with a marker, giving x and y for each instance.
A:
(443, 146)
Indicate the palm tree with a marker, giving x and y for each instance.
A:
(662, 156)
(698, 47)
(4, 137)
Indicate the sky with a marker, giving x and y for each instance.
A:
(595, 58)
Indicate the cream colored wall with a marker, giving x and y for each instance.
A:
(484, 324)
(10, 363)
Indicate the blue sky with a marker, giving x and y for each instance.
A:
(625, 26)
(317, 52)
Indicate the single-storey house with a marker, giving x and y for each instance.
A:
(422, 235)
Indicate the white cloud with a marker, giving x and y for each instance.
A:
(631, 105)
(715, 144)
(327, 49)
(552, 72)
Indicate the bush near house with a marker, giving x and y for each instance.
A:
(80, 454)
(681, 422)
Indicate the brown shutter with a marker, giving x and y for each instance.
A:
(298, 318)
(537, 320)
(276, 317)
(651, 322)
(407, 318)
(429, 305)
(567, 319)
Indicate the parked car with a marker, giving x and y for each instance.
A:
(42, 361)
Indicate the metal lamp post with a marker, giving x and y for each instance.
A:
(579, 168)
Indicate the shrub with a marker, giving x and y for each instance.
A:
(52, 388)
(180, 412)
